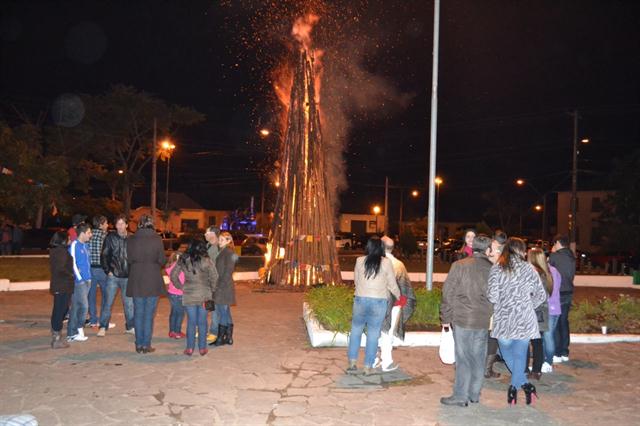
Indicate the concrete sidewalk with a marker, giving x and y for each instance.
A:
(271, 376)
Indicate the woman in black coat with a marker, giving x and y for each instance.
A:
(145, 256)
(225, 291)
(60, 286)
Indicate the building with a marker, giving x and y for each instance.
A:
(589, 206)
(185, 215)
(361, 224)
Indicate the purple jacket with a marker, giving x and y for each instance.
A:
(554, 299)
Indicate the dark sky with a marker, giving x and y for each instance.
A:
(509, 73)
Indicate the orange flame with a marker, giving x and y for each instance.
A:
(302, 28)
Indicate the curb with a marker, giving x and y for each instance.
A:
(320, 337)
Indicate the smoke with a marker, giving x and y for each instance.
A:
(350, 90)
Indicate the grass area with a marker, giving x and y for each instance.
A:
(25, 269)
(333, 308)
(621, 315)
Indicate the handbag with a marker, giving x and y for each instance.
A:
(447, 350)
(210, 305)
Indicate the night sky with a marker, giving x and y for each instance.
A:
(509, 74)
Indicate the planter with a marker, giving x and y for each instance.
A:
(320, 337)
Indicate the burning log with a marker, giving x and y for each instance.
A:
(302, 248)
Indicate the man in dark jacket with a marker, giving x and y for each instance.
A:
(114, 264)
(465, 307)
(565, 262)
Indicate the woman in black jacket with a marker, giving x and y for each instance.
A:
(60, 286)
(225, 291)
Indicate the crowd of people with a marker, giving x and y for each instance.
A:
(11, 237)
(498, 298)
(504, 299)
(85, 259)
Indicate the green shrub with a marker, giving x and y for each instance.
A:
(620, 316)
(333, 306)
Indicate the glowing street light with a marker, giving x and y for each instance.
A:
(585, 140)
(438, 180)
(167, 149)
(537, 208)
(376, 211)
(120, 172)
(415, 193)
(264, 132)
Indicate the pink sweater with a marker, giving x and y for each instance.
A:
(172, 289)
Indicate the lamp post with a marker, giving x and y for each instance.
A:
(415, 194)
(376, 211)
(521, 183)
(438, 181)
(167, 151)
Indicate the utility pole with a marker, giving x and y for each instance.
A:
(574, 184)
(154, 170)
(433, 144)
(386, 206)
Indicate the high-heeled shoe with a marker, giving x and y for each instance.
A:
(512, 395)
(188, 352)
(530, 393)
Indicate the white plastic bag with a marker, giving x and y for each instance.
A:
(447, 347)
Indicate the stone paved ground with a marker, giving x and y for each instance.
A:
(272, 376)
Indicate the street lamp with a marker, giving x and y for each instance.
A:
(539, 208)
(167, 148)
(376, 211)
(265, 132)
(438, 181)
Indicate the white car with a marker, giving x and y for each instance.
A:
(343, 242)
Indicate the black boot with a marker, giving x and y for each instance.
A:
(488, 368)
(229, 335)
(530, 393)
(222, 332)
(512, 395)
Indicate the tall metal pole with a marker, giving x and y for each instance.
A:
(574, 184)
(154, 169)
(386, 206)
(433, 143)
(166, 194)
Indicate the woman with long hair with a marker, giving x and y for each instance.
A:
(515, 289)
(467, 244)
(226, 292)
(536, 257)
(374, 280)
(200, 279)
(61, 285)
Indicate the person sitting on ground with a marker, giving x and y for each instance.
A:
(465, 307)
(398, 310)
(200, 279)
(374, 280)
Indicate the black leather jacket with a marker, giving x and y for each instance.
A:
(114, 255)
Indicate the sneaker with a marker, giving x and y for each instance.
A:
(93, 325)
(391, 367)
(102, 332)
(77, 338)
(558, 359)
(370, 371)
(453, 401)
(352, 368)
(172, 335)
(111, 325)
(546, 368)
(377, 363)
(565, 358)
(130, 331)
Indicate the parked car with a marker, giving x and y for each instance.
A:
(423, 243)
(254, 246)
(344, 240)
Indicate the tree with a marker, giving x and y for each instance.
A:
(620, 219)
(117, 134)
(502, 210)
(30, 181)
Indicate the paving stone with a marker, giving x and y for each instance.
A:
(288, 409)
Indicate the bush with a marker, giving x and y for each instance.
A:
(620, 316)
(333, 306)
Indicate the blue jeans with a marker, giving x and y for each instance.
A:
(98, 278)
(144, 309)
(215, 321)
(196, 317)
(514, 353)
(79, 307)
(177, 313)
(549, 339)
(108, 297)
(562, 330)
(367, 311)
(224, 314)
